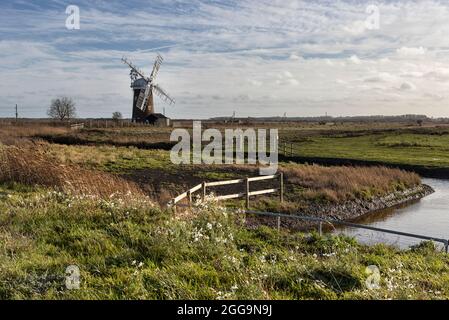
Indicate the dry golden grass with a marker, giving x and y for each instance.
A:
(87, 156)
(341, 183)
(11, 133)
(29, 164)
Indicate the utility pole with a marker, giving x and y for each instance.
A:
(17, 114)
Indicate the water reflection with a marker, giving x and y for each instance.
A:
(428, 216)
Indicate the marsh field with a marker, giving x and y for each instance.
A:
(97, 198)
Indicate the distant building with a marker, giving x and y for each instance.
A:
(144, 89)
(158, 120)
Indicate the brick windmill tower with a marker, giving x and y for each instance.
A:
(144, 89)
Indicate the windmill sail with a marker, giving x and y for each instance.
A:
(146, 96)
(163, 95)
(144, 87)
(156, 67)
(142, 98)
(134, 68)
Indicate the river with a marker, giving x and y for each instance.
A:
(428, 216)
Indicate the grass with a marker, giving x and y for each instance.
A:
(420, 149)
(31, 165)
(145, 138)
(153, 171)
(127, 247)
(128, 250)
(391, 143)
(11, 132)
(110, 158)
(339, 184)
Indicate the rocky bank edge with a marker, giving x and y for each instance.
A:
(348, 211)
(353, 209)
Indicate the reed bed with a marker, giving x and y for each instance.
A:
(346, 182)
(29, 164)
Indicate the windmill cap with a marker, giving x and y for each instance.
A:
(139, 84)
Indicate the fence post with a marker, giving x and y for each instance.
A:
(247, 193)
(279, 223)
(321, 228)
(285, 149)
(189, 197)
(203, 186)
(281, 187)
(446, 246)
(291, 149)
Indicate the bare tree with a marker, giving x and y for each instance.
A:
(62, 109)
(117, 116)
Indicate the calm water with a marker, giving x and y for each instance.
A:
(429, 216)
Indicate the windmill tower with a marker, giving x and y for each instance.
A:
(144, 89)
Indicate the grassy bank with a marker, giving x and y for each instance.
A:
(106, 169)
(130, 250)
(386, 143)
(426, 147)
(97, 207)
(389, 143)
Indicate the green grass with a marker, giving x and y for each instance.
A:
(429, 150)
(388, 143)
(305, 185)
(132, 251)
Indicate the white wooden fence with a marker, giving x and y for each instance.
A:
(246, 192)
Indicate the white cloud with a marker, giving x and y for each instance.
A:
(355, 59)
(383, 77)
(286, 78)
(255, 83)
(406, 51)
(356, 28)
(295, 57)
(308, 58)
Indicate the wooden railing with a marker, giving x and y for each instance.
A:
(246, 192)
(288, 149)
(77, 126)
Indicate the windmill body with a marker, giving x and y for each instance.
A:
(143, 102)
(144, 89)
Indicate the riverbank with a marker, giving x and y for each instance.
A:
(349, 210)
(427, 216)
(422, 170)
(421, 150)
(352, 210)
(127, 251)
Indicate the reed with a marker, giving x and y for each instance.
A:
(30, 164)
(346, 182)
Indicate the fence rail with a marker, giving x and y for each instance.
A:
(77, 126)
(445, 242)
(245, 193)
(288, 148)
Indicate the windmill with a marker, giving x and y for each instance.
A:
(144, 89)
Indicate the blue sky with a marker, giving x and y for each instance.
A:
(255, 57)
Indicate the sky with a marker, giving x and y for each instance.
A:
(254, 57)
